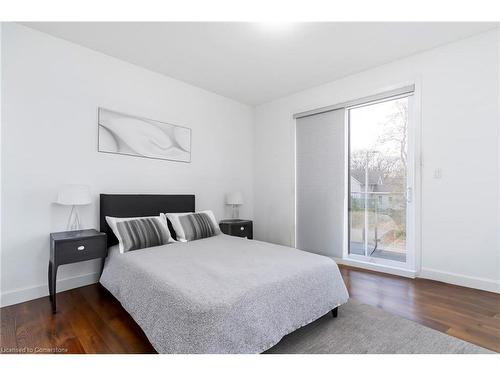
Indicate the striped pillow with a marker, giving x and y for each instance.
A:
(193, 226)
(196, 226)
(141, 233)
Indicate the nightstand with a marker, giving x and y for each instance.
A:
(237, 227)
(71, 247)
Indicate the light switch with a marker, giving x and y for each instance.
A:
(438, 173)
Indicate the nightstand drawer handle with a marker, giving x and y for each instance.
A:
(242, 228)
(80, 248)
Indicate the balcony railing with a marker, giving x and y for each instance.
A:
(377, 223)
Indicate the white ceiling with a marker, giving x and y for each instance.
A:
(256, 63)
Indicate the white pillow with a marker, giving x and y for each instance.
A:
(112, 222)
(176, 224)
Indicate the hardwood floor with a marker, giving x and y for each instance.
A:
(91, 320)
(88, 320)
(469, 314)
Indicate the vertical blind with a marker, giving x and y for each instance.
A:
(320, 190)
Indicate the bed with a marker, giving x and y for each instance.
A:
(215, 295)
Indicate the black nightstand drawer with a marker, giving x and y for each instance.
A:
(241, 230)
(78, 250)
(237, 228)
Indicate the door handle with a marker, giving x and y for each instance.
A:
(409, 194)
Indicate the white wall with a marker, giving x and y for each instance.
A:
(459, 89)
(51, 90)
(49, 97)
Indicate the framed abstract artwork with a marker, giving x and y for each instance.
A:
(119, 133)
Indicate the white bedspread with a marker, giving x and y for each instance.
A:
(222, 294)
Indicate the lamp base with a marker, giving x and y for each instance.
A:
(74, 220)
(235, 212)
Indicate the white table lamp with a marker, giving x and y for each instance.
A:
(74, 195)
(234, 199)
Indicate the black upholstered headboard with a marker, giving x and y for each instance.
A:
(135, 205)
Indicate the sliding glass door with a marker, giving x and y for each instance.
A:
(380, 181)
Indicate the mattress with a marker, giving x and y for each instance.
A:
(222, 294)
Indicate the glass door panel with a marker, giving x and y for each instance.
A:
(378, 175)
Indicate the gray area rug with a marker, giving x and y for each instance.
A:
(361, 328)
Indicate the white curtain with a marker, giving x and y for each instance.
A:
(320, 191)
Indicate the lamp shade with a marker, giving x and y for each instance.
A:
(74, 195)
(234, 198)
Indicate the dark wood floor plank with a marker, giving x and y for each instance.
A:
(119, 321)
(8, 328)
(98, 325)
(486, 340)
(91, 320)
(81, 324)
(27, 327)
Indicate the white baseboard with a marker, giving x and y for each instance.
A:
(377, 267)
(489, 285)
(22, 295)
